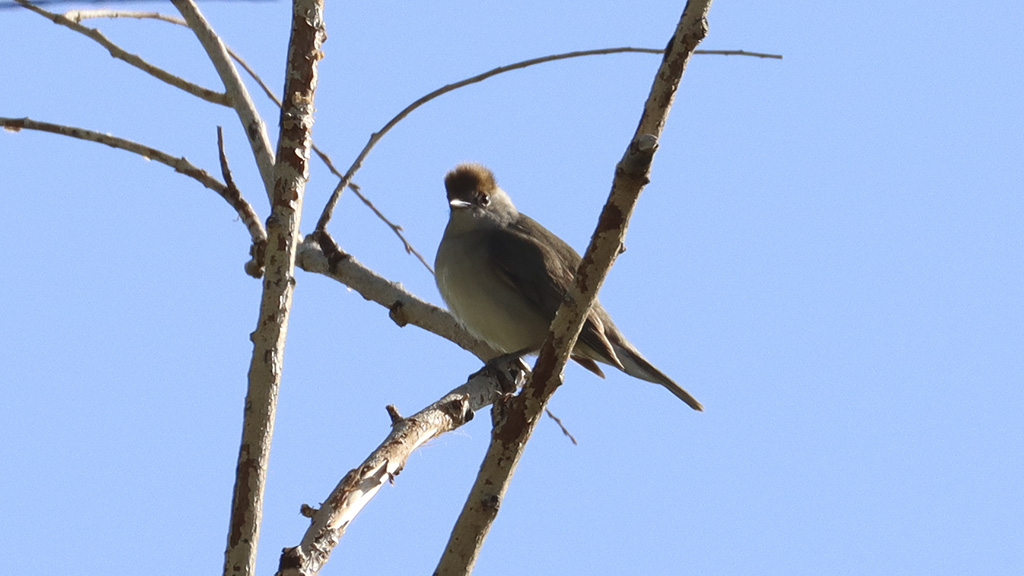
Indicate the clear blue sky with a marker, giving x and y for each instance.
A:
(830, 257)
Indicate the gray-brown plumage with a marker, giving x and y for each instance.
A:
(503, 276)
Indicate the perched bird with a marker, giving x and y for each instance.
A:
(503, 276)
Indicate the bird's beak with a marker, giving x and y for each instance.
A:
(457, 204)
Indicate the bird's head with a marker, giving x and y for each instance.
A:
(475, 198)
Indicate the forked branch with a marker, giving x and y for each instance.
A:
(133, 59)
(252, 123)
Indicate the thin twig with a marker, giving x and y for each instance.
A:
(133, 59)
(397, 229)
(394, 227)
(325, 217)
(79, 15)
(244, 210)
(739, 53)
(562, 426)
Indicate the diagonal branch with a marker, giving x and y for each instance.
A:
(361, 484)
(516, 420)
(319, 254)
(79, 15)
(244, 210)
(133, 59)
(254, 127)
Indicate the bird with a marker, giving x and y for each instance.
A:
(503, 276)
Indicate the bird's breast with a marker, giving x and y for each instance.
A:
(482, 299)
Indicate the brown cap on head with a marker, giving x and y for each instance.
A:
(467, 179)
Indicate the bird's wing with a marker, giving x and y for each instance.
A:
(541, 272)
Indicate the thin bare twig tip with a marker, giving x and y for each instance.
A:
(562, 426)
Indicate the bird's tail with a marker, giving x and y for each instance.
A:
(636, 365)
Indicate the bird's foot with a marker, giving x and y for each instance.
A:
(510, 369)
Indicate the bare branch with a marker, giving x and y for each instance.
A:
(738, 53)
(521, 414)
(133, 59)
(361, 484)
(289, 177)
(325, 217)
(561, 426)
(404, 307)
(244, 210)
(79, 15)
(254, 127)
(397, 229)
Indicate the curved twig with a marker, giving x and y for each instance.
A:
(133, 59)
(244, 210)
(325, 217)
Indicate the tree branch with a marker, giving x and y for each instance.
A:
(361, 484)
(404, 307)
(79, 15)
(133, 59)
(76, 16)
(233, 197)
(289, 180)
(515, 421)
(325, 217)
(254, 127)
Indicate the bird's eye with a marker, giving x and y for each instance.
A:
(484, 200)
